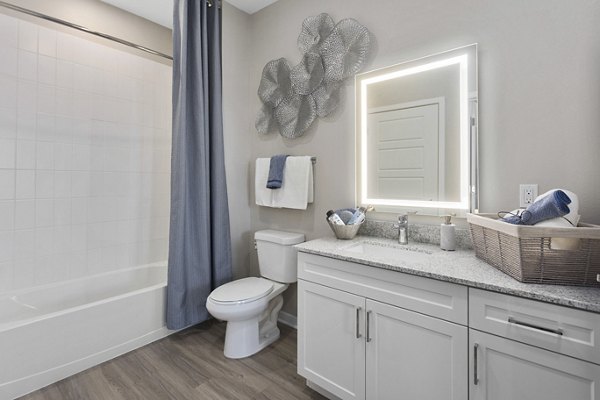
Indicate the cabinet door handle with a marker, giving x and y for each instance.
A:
(558, 332)
(358, 335)
(475, 376)
(368, 326)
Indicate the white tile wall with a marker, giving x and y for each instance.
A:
(84, 157)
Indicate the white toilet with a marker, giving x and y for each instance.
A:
(251, 305)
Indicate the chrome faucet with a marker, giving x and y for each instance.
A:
(403, 229)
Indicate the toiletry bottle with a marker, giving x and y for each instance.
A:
(448, 234)
(334, 218)
(358, 216)
(345, 214)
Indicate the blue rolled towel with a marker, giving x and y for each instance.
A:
(552, 206)
(276, 167)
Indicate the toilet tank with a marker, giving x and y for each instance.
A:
(276, 254)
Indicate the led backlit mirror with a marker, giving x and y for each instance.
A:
(416, 134)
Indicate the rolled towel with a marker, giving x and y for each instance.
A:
(555, 204)
(573, 215)
(560, 243)
(276, 167)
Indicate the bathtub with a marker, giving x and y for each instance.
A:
(51, 332)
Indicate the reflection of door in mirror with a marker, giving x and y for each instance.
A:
(437, 155)
(416, 133)
(408, 140)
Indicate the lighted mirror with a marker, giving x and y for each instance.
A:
(416, 134)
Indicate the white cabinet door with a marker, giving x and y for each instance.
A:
(413, 356)
(504, 369)
(331, 344)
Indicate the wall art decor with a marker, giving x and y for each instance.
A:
(294, 97)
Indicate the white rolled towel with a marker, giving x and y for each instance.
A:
(558, 243)
(573, 215)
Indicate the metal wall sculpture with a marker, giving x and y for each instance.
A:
(294, 97)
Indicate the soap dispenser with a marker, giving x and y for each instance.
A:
(448, 234)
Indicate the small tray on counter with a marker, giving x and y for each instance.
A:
(345, 232)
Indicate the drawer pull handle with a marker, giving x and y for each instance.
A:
(475, 376)
(358, 335)
(558, 332)
(368, 326)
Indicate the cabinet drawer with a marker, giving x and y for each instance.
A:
(443, 300)
(561, 329)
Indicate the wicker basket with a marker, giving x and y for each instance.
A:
(526, 252)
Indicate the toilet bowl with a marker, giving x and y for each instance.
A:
(251, 305)
(251, 314)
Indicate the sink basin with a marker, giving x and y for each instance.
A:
(380, 250)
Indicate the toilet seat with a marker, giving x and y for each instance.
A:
(242, 291)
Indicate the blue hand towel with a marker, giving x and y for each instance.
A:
(551, 206)
(276, 167)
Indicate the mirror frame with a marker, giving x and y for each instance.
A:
(466, 58)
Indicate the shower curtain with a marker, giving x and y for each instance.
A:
(199, 240)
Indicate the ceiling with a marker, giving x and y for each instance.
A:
(250, 6)
(161, 11)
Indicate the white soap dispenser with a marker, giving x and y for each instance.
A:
(448, 234)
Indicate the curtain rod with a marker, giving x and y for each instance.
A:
(83, 29)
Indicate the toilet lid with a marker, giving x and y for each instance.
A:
(242, 290)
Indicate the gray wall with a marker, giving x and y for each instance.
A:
(236, 131)
(539, 96)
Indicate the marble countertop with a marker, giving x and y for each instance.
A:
(459, 266)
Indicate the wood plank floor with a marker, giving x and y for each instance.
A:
(189, 365)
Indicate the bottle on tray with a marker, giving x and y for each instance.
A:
(348, 216)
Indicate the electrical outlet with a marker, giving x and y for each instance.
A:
(527, 194)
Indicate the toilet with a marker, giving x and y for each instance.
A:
(251, 305)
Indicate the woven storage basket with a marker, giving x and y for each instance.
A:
(526, 253)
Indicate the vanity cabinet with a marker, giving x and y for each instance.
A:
(375, 334)
(525, 349)
(358, 340)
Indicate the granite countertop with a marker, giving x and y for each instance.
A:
(459, 266)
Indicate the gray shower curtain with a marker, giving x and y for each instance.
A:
(199, 241)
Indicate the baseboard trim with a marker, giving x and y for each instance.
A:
(321, 391)
(288, 319)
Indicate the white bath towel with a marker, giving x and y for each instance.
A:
(264, 196)
(297, 189)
